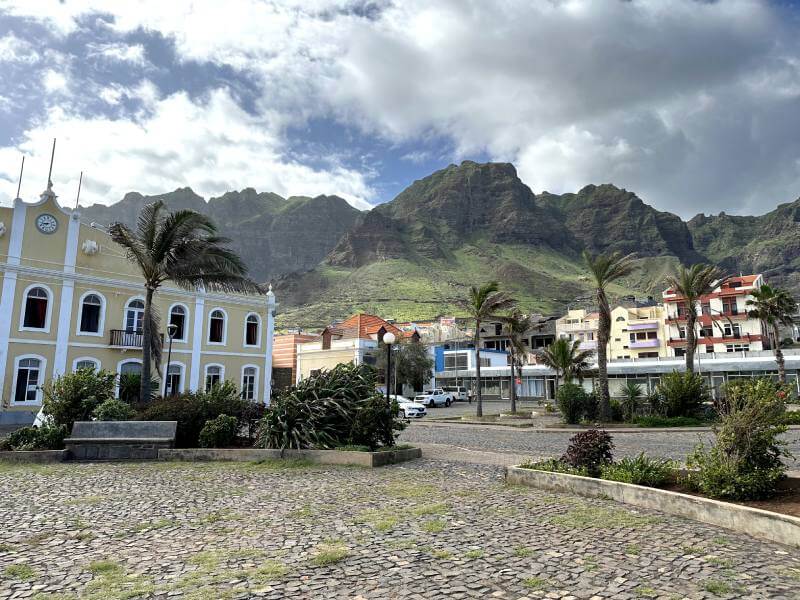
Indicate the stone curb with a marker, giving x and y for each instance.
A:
(758, 523)
(34, 456)
(612, 430)
(323, 457)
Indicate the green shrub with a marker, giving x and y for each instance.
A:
(555, 466)
(682, 394)
(641, 470)
(631, 392)
(656, 421)
(791, 417)
(219, 432)
(572, 401)
(589, 449)
(336, 408)
(616, 410)
(745, 461)
(74, 396)
(46, 437)
(114, 410)
(591, 408)
(193, 409)
(130, 385)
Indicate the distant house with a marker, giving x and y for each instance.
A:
(284, 358)
(637, 332)
(581, 325)
(354, 340)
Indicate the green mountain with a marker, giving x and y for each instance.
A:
(416, 256)
(274, 235)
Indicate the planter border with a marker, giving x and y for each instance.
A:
(34, 456)
(764, 524)
(322, 457)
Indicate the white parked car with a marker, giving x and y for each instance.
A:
(458, 393)
(408, 408)
(432, 398)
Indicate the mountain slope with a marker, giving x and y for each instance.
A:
(272, 234)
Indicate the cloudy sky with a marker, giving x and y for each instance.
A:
(693, 105)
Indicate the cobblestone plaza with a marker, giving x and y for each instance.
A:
(424, 530)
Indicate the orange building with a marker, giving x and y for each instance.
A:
(284, 357)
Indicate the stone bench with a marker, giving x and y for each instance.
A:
(120, 440)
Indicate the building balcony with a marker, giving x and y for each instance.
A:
(745, 338)
(120, 338)
(643, 326)
(652, 343)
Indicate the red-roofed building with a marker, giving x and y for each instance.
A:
(723, 325)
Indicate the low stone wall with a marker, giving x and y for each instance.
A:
(33, 456)
(763, 524)
(324, 457)
(115, 449)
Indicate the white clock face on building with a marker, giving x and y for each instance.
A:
(46, 223)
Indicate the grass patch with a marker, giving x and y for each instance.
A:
(535, 583)
(278, 464)
(306, 511)
(670, 422)
(19, 572)
(646, 592)
(430, 509)
(6, 548)
(379, 519)
(473, 554)
(329, 554)
(411, 490)
(434, 526)
(442, 554)
(592, 517)
(149, 525)
(717, 587)
(590, 563)
(406, 544)
(523, 552)
(633, 549)
(697, 550)
(104, 567)
(37, 538)
(721, 541)
(720, 562)
(270, 570)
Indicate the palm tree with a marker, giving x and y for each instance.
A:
(605, 269)
(774, 307)
(484, 303)
(567, 359)
(182, 247)
(691, 284)
(514, 327)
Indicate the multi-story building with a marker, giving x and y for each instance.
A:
(724, 324)
(70, 299)
(354, 340)
(578, 324)
(284, 358)
(538, 337)
(637, 332)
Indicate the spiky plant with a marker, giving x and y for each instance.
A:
(567, 359)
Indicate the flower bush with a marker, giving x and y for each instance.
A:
(590, 449)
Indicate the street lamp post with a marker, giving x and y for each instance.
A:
(172, 329)
(388, 339)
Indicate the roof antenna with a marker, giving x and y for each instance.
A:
(50, 173)
(78, 197)
(21, 168)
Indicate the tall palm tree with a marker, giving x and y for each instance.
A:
(182, 247)
(567, 359)
(691, 283)
(774, 307)
(484, 303)
(605, 269)
(514, 328)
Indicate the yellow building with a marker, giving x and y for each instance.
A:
(637, 332)
(581, 325)
(70, 298)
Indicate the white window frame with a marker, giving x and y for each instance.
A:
(97, 364)
(119, 369)
(42, 370)
(125, 311)
(182, 382)
(185, 337)
(48, 314)
(258, 331)
(102, 323)
(255, 385)
(205, 374)
(224, 327)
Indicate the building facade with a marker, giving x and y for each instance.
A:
(70, 298)
(578, 324)
(637, 332)
(284, 358)
(723, 325)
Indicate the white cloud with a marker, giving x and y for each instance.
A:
(54, 81)
(212, 146)
(17, 50)
(128, 53)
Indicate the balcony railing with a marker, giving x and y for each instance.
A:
(127, 339)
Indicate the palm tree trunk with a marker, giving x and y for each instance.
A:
(779, 355)
(602, 376)
(479, 410)
(513, 390)
(691, 342)
(144, 386)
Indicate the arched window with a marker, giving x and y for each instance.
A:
(28, 380)
(36, 308)
(134, 316)
(177, 317)
(174, 379)
(249, 378)
(128, 383)
(86, 363)
(213, 376)
(216, 326)
(251, 327)
(91, 317)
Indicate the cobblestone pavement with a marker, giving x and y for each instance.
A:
(543, 444)
(422, 530)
